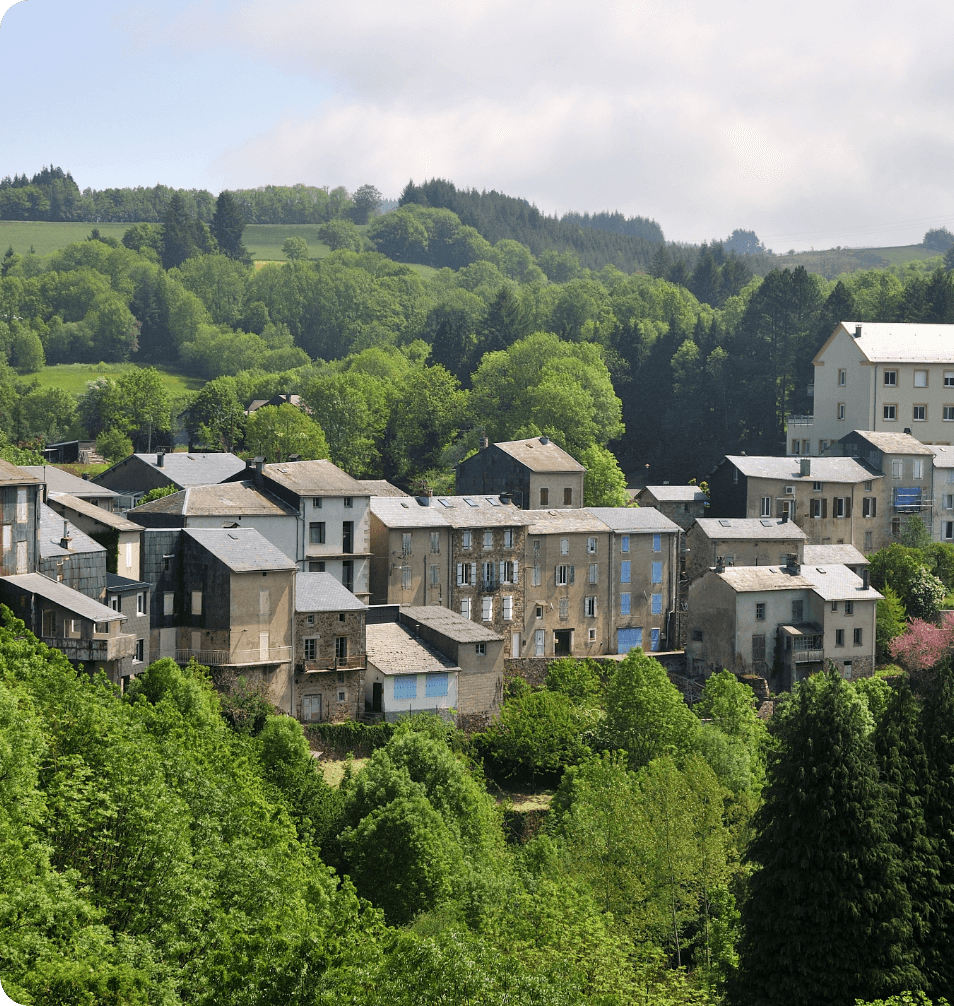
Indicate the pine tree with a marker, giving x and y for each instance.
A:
(937, 719)
(824, 921)
(228, 223)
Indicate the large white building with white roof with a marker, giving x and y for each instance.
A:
(882, 377)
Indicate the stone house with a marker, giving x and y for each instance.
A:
(681, 504)
(131, 598)
(742, 541)
(781, 622)
(134, 476)
(536, 473)
(119, 536)
(330, 650)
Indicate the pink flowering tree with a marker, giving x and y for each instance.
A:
(924, 645)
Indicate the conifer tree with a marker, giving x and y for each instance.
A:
(825, 920)
(228, 224)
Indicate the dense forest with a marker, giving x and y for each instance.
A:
(169, 845)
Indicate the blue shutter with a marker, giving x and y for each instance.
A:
(657, 604)
(624, 543)
(654, 639)
(657, 542)
(657, 572)
(624, 604)
(405, 686)
(436, 685)
(624, 572)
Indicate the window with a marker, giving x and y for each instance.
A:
(760, 611)
(7, 537)
(564, 575)
(564, 608)
(849, 607)
(141, 603)
(310, 619)
(564, 546)
(624, 572)
(341, 647)
(818, 487)
(869, 506)
(947, 530)
(841, 410)
(758, 648)
(919, 413)
(101, 628)
(168, 600)
(508, 537)
(796, 447)
(196, 602)
(657, 572)
(917, 469)
(766, 510)
(310, 708)
(405, 686)
(480, 649)
(316, 502)
(140, 651)
(842, 378)
(129, 555)
(834, 605)
(348, 501)
(341, 616)
(947, 414)
(654, 639)
(839, 637)
(841, 506)
(890, 378)
(311, 649)
(341, 696)
(316, 566)
(510, 572)
(818, 507)
(544, 497)
(949, 378)
(589, 607)
(822, 446)
(868, 486)
(624, 604)
(490, 571)
(465, 539)
(624, 543)
(406, 542)
(507, 604)
(657, 542)
(591, 546)
(435, 542)
(895, 469)
(347, 574)
(656, 604)
(869, 541)
(568, 496)
(920, 378)
(856, 638)
(405, 577)
(435, 685)
(592, 635)
(465, 607)
(488, 539)
(466, 574)
(435, 575)
(890, 413)
(539, 611)
(594, 573)
(487, 609)
(797, 610)
(347, 536)
(697, 635)
(316, 532)
(896, 526)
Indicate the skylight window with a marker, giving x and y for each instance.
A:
(470, 502)
(492, 501)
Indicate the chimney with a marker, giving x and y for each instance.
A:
(857, 331)
(792, 564)
(424, 498)
(259, 465)
(294, 457)
(907, 430)
(805, 467)
(160, 458)
(785, 517)
(484, 443)
(506, 499)
(66, 539)
(544, 440)
(86, 476)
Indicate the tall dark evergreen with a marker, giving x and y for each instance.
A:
(825, 919)
(938, 731)
(228, 224)
(182, 234)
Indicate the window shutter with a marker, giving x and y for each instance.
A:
(847, 506)
(503, 571)
(572, 574)
(874, 506)
(460, 574)
(824, 506)
(473, 572)
(556, 576)
(516, 571)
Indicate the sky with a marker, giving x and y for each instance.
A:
(815, 124)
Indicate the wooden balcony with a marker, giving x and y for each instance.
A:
(236, 658)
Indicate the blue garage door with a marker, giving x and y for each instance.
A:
(627, 639)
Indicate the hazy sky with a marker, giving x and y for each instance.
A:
(814, 124)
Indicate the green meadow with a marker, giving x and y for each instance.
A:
(73, 377)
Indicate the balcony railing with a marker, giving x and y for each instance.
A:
(225, 658)
(799, 420)
(353, 663)
(104, 648)
(808, 656)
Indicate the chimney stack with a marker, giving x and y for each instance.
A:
(484, 443)
(857, 331)
(544, 440)
(160, 458)
(66, 539)
(259, 465)
(805, 467)
(865, 581)
(720, 564)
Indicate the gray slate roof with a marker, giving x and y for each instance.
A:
(450, 623)
(14, 475)
(633, 519)
(194, 469)
(395, 511)
(893, 443)
(787, 469)
(751, 578)
(98, 513)
(479, 511)
(838, 583)
(322, 592)
(539, 456)
(566, 521)
(943, 456)
(65, 597)
(392, 649)
(58, 481)
(749, 529)
(893, 342)
(380, 487)
(51, 531)
(242, 549)
(315, 478)
(827, 555)
(675, 494)
(116, 582)
(221, 499)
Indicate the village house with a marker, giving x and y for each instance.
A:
(68, 556)
(681, 504)
(330, 650)
(58, 481)
(136, 475)
(781, 622)
(881, 377)
(742, 541)
(119, 536)
(535, 473)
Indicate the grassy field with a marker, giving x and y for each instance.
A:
(48, 238)
(73, 377)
